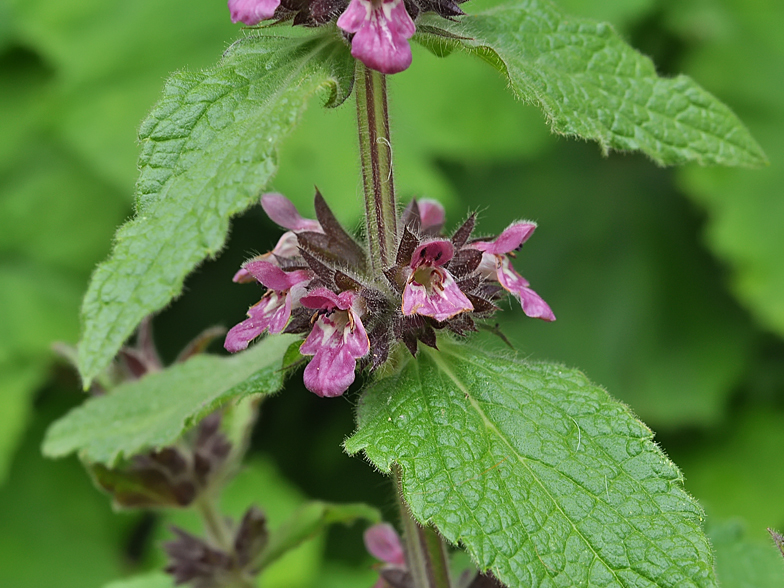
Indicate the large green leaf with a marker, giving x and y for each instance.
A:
(542, 476)
(208, 148)
(154, 411)
(591, 84)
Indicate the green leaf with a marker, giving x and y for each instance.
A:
(309, 520)
(591, 84)
(541, 475)
(154, 411)
(744, 209)
(56, 529)
(208, 148)
(152, 580)
(18, 382)
(742, 562)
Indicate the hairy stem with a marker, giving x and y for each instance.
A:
(375, 150)
(425, 550)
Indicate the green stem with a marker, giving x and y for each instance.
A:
(217, 530)
(426, 555)
(220, 534)
(375, 149)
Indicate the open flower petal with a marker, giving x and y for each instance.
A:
(283, 212)
(382, 32)
(510, 239)
(438, 297)
(252, 12)
(337, 339)
(260, 316)
(532, 303)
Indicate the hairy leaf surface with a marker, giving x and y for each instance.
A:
(154, 411)
(544, 478)
(591, 84)
(208, 148)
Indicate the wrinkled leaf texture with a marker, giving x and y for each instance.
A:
(538, 473)
(154, 411)
(591, 84)
(208, 149)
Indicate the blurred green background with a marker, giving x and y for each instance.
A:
(668, 284)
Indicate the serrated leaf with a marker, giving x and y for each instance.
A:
(543, 477)
(208, 148)
(154, 411)
(309, 520)
(591, 84)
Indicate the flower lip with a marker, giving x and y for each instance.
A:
(325, 299)
(252, 12)
(273, 277)
(510, 239)
(382, 29)
(432, 254)
(281, 210)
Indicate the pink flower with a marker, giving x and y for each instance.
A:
(431, 214)
(383, 543)
(496, 265)
(273, 311)
(430, 289)
(283, 212)
(382, 29)
(337, 339)
(252, 12)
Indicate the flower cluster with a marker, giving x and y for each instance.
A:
(319, 284)
(377, 29)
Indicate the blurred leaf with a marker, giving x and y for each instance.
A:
(154, 411)
(617, 12)
(110, 58)
(740, 57)
(590, 84)
(38, 305)
(309, 520)
(153, 580)
(743, 563)
(456, 108)
(739, 471)
(208, 148)
(56, 530)
(56, 212)
(641, 306)
(337, 575)
(18, 380)
(536, 471)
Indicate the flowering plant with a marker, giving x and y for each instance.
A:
(535, 473)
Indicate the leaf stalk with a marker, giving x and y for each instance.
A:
(426, 555)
